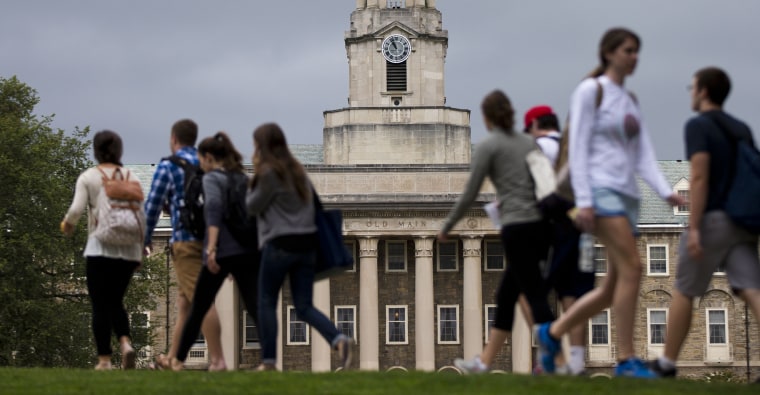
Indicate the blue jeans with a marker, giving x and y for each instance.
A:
(276, 263)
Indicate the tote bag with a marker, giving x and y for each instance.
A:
(332, 255)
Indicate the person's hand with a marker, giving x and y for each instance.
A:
(148, 249)
(66, 228)
(584, 219)
(676, 200)
(442, 236)
(213, 267)
(694, 244)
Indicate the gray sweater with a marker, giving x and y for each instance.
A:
(214, 207)
(501, 158)
(278, 209)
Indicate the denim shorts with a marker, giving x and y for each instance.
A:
(611, 203)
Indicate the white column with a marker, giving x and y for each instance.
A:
(417, 3)
(228, 307)
(280, 349)
(368, 309)
(472, 297)
(424, 317)
(373, 3)
(521, 343)
(320, 350)
(361, 4)
(430, 3)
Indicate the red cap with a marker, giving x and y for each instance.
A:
(534, 113)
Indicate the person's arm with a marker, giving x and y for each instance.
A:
(154, 203)
(582, 114)
(698, 186)
(213, 211)
(258, 198)
(647, 168)
(77, 208)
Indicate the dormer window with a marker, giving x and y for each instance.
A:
(682, 189)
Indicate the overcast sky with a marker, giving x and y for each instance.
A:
(137, 66)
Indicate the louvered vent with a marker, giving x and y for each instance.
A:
(395, 76)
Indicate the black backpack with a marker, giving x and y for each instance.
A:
(191, 206)
(242, 227)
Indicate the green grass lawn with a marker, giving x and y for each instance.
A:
(143, 382)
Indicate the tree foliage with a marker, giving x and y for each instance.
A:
(44, 307)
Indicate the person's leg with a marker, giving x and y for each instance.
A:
(274, 267)
(577, 337)
(245, 271)
(615, 233)
(205, 292)
(97, 288)
(122, 272)
(679, 322)
(302, 288)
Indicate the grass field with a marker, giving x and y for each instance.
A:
(73, 381)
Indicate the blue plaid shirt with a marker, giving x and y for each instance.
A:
(168, 187)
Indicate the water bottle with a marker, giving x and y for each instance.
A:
(586, 253)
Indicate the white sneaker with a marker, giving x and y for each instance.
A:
(472, 366)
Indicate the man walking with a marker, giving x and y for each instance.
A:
(187, 251)
(712, 240)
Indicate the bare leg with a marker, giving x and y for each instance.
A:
(587, 306)
(496, 339)
(679, 321)
(183, 309)
(212, 331)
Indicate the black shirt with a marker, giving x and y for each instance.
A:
(703, 134)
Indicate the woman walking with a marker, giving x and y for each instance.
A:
(282, 198)
(501, 158)
(224, 253)
(109, 266)
(609, 146)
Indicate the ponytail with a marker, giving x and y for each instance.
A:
(221, 148)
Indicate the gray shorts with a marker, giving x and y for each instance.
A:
(724, 245)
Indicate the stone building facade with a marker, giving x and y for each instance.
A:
(394, 161)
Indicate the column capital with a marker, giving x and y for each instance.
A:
(368, 247)
(471, 245)
(423, 246)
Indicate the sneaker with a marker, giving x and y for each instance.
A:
(656, 367)
(548, 347)
(634, 367)
(344, 351)
(471, 366)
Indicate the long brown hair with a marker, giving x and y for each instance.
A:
(107, 147)
(271, 153)
(611, 40)
(498, 110)
(221, 148)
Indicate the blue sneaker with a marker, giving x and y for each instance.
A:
(548, 347)
(634, 367)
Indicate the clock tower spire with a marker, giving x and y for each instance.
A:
(396, 110)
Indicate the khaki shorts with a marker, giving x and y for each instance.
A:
(724, 245)
(188, 260)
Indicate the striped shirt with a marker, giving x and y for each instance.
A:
(167, 187)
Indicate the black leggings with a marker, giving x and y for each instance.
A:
(107, 281)
(245, 270)
(525, 245)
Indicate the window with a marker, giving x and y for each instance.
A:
(599, 333)
(345, 320)
(658, 319)
(140, 320)
(447, 256)
(250, 331)
(351, 247)
(657, 258)
(448, 324)
(395, 328)
(716, 327)
(682, 189)
(395, 3)
(490, 319)
(395, 256)
(495, 260)
(298, 331)
(600, 259)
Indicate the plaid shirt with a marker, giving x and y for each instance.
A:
(168, 187)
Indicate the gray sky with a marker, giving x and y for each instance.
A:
(137, 66)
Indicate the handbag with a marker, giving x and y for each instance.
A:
(332, 255)
(742, 192)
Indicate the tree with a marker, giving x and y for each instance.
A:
(44, 307)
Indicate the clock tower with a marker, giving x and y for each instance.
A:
(396, 110)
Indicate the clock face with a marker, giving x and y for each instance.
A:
(396, 48)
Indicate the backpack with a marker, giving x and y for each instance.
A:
(191, 205)
(741, 195)
(241, 226)
(121, 217)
